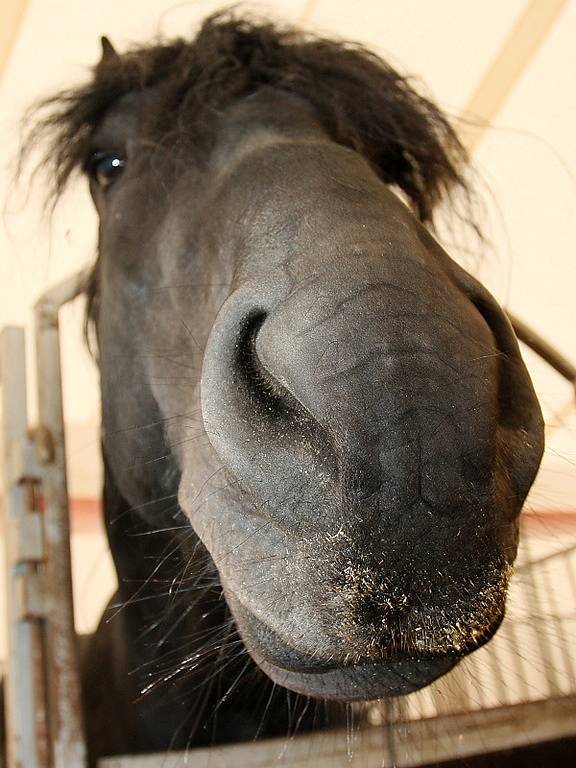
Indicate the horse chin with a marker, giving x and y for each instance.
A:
(360, 682)
(345, 680)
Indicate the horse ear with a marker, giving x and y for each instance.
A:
(108, 51)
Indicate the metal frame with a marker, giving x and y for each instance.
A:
(27, 740)
(44, 727)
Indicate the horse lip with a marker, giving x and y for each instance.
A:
(252, 628)
(359, 679)
(305, 663)
(362, 682)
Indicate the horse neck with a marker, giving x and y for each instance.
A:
(167, 583)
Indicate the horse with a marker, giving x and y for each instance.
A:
(317, 428)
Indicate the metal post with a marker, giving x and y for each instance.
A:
(24, 693)
(64, 695)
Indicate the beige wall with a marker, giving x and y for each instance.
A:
(527, 161)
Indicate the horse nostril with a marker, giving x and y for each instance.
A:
(265, 391)
(256, 375)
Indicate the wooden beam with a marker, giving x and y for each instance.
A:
(499, 80)
(11, 14)
(306, 11)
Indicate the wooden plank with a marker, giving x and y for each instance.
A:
(11, 15)
(414, 743)
(500, 78)
(306, 11)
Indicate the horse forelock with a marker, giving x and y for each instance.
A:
(362, 101)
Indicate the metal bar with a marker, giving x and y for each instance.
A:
(508, 631)
(556, 360)
(555, 627)
(27, 740)
(562, 554)
(54, 298)
(417, 743)
(64, 694)
(451, 692)
(544, 349)
(534, 596)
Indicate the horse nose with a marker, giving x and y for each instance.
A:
(321, 387)
(254, 419)
(518, 408)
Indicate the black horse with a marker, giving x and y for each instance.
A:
(318, 431)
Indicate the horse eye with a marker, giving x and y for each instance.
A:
(105, 167)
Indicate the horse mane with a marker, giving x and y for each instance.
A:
(361, 100)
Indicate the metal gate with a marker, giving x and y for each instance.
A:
(41, 688)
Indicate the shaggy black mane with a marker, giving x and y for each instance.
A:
(362, 101)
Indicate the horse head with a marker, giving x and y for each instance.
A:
(341, 411)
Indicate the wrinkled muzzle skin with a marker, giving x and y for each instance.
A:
(347, 416)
